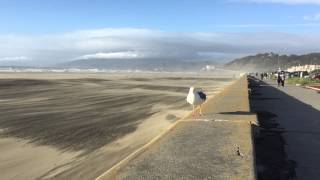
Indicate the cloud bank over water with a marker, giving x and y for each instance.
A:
(112, 55)
(129, 43)
(14, 58)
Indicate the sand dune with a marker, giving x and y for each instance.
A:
(89, 121)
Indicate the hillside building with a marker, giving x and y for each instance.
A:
(307, 67)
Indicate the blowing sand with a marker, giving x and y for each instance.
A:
(75, 126)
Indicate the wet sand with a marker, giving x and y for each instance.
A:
(77, 125)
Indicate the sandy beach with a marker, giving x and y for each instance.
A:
(77, 125)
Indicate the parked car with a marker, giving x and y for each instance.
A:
(299, 74)
(317, 76)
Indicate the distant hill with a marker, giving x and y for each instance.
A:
(272, 61)
(140, 64)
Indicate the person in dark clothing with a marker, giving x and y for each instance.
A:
(283, 78)
(261, 76)
(279, 79)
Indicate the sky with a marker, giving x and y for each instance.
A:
(48, 32)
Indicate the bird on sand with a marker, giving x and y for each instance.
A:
(239, 153)
(196, 97)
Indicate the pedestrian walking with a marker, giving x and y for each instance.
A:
(283, 79)
(278, 79)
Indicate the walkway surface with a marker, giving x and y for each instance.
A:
(203, 148)
(297, 110)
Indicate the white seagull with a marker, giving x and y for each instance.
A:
(196, 98)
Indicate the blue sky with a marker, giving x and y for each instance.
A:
(31, 28)
(44, 16)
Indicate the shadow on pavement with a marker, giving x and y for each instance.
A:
(279, 113)
(271, 159)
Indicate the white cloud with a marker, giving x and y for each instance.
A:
(314, 17)
(293, 2)
(272, 25)
(14, 58)
(112, 55)
(145, 43)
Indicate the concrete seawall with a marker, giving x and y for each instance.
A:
(217, 145)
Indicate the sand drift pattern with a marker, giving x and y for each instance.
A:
(86, 114)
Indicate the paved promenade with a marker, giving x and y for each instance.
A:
(297, 111)
(204, 148)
